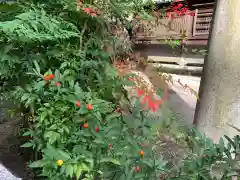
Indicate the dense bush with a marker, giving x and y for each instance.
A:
(55, 61)
(53, 58)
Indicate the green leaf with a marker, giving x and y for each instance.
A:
(114, 161)
(38, 164)
(57, 74)
(27, 133)
(25, 97)
(130, 174)
(43, 115)
(112, 116)
(37, 67)
(39, 85)
(150, 165)
(27, 145)
(194, 50)
(79, 171)
(50, 152)
(230, 141)
(83, 111)
(52, 136)
(85, 167)
(69, 170)
(63, 155)
(221, 145)
(75, 168)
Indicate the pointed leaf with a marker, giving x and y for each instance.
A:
(79, 171)
(27, 145)
(114, 161)
(69, 170)
(38, 164)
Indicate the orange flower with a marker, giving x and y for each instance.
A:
(85, 125)
(141, 153)
(48, 77)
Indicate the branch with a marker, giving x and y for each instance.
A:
(234, 127)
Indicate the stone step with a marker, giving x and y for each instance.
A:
(176, 60)
(178, 69)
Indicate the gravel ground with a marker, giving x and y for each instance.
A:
(5, 174)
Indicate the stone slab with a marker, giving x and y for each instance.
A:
(5, 174)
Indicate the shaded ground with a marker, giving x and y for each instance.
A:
(11, 156)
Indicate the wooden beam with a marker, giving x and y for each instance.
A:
(203, 4)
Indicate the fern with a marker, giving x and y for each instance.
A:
(35, 25)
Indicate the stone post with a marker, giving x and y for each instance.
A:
(220, 87)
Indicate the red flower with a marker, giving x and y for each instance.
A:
(97, 129)
(87, 10)
(131, 79)
(137, 169)
(154, 105)
(140, 92)
(192, 13)
(179, 13)
(90, 107)
(184, 10)
(180, 5)
(48, 77)
(169, 15)
(110, 146)
(93, 14)
(144, 100)
(90, 11)
(78, 103)
(58, 84)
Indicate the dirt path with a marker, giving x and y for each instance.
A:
(183, 101)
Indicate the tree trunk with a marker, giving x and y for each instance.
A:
(220, 87)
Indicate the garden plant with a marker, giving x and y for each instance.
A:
(57, 62)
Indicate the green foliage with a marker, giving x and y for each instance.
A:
(58, 40)
(58, 132)
(208, 160)
(53, 61)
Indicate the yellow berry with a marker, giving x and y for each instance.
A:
(59, 162)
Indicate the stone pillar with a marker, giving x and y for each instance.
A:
(220, 87)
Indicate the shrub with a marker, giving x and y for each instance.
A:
(73, 124)
(81, 135)
(54, 62)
